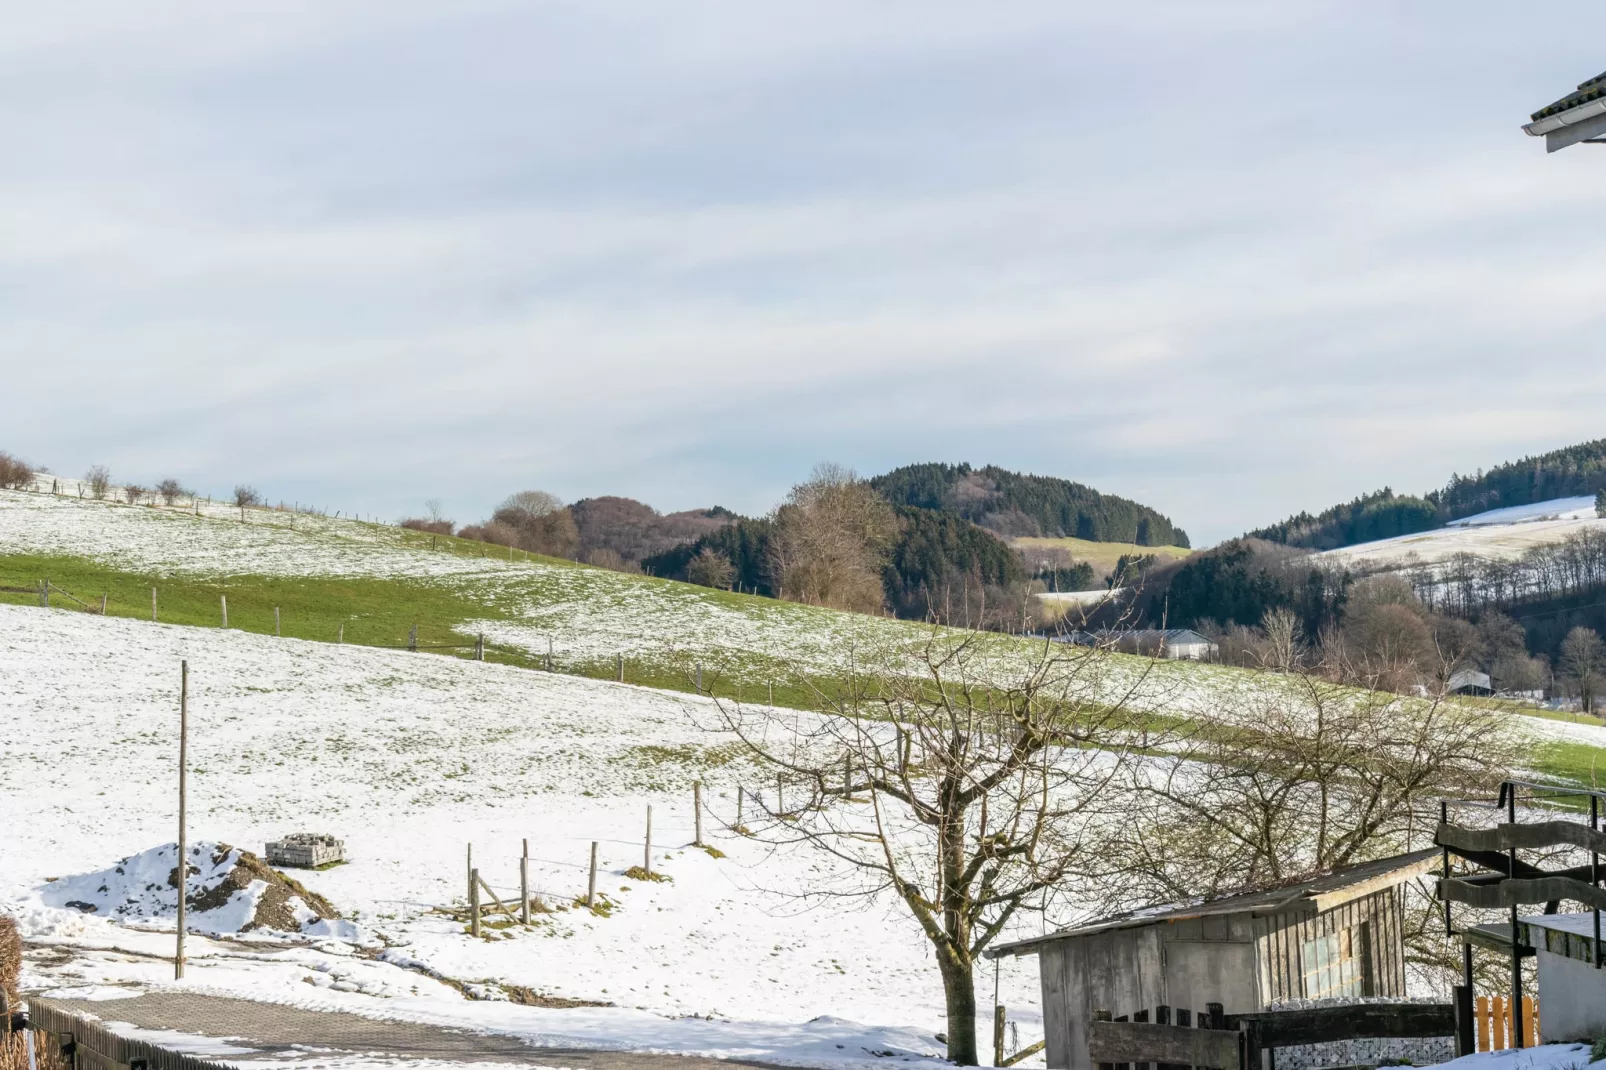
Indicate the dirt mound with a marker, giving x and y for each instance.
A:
(228, 890)
(276, 905)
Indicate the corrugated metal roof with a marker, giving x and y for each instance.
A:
(1300, 895)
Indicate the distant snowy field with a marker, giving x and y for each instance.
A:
(1501, 533)
(410, 758)
(585, 613)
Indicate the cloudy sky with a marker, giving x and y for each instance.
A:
(1232, 259)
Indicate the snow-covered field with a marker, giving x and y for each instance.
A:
(410, 758)
(1499, 533)
(585, 613)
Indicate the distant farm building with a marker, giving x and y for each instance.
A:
(1339, 935)
(1178, 643)
(1469, 682)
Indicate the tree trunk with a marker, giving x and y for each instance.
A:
(959, 986)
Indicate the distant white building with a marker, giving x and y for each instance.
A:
(1176, 643)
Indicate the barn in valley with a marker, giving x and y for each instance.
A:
(1338, 935)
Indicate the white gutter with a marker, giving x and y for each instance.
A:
(1569, 117)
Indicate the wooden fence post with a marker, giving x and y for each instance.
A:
(549, 653)
(847, 776)
(103, 603)
(591, 884)
(275, 620)
(340, 637)
(479, 647)
(470, 869)
(697, 810)
(223, 600)
(473, 902)
(998, 1035)
(647, 856)
(740, 792)
(780, 805)
(1103, 1016)
(621, 660)
(412, 639)
(153, 605)
(771, 685)
(44, 593)
(524, 884)
(699, 678)
(182, 868)
(1461, 996)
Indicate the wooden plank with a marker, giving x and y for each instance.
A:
(1517, 892)
(1497, 1021)
(1281, 1028)
(1138, 1042)
(1482, 1014)
(1530, 1022)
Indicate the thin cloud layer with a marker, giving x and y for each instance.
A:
(1232, 260)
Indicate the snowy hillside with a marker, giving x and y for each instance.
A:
(535, 604)
(1500, 533)
(410, 758)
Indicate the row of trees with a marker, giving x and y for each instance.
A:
(1015, 504)
(836, 541)
(1574, 471)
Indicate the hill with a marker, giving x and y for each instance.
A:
(1574, 471)
(1012, 504)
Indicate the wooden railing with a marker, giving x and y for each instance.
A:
(1238, 1042)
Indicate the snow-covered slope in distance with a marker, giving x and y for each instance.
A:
(1502, 533)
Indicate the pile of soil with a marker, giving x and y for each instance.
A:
(273, 908)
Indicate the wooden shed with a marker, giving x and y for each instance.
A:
(1338, 935)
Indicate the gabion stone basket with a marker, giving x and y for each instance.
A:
(306, 849)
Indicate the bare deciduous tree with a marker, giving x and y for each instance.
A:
(133, 492)
(1280, 784)
(99, 479)
(541, 523)
(963, 789)
(831, 538)
(15, 474)
(1282, 640)
(710, 568)
(245, 495)
(170, 490)
(1583, 657)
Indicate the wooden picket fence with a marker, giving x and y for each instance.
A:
(1493, 1016)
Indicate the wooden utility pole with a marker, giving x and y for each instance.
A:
(591, 884)
(524, 884)
(183, 800)
(697, 810)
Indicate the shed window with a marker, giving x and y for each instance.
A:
(1331, 967)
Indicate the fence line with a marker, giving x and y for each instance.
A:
(64, 1039)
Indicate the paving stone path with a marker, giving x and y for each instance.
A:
(273, 1028)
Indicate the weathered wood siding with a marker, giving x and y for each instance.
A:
(1281, 937)
(1238, 960)
(1119, 971)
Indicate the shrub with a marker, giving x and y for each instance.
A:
(99, 479)
(711, 568)
(171, 490)
(134, 492)
(1597, 1052)
(15, 474)
(432, 527)
(245, 495)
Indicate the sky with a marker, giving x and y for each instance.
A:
(1232, 260)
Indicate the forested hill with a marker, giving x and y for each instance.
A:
(1564, 473)
(1012, 504)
